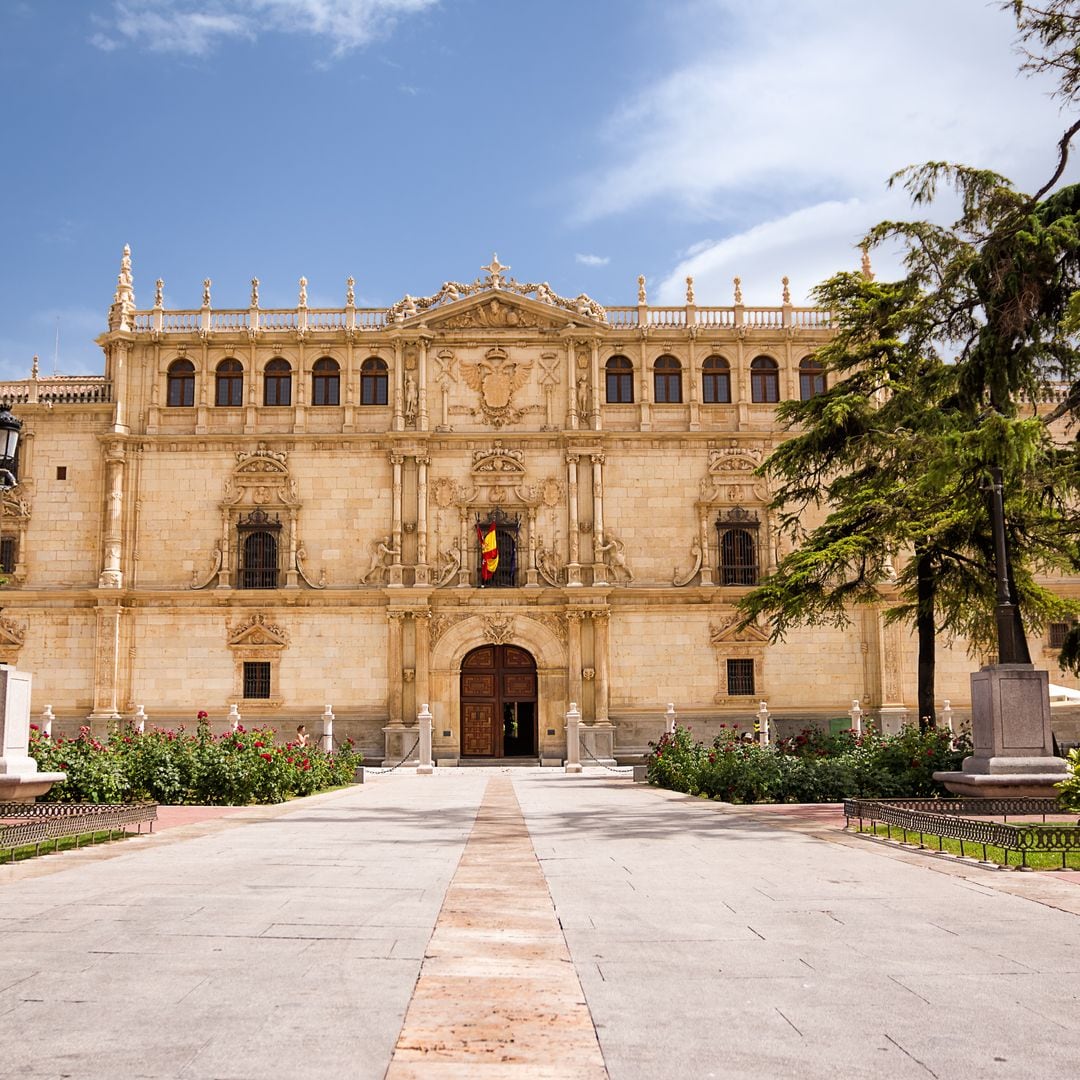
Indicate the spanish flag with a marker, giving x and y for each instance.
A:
(489, 551)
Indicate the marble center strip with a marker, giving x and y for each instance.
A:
(498, 995)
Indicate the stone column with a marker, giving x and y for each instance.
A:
(644, 395)
(422, 648)
(573, 739)
(106, 668)
(112, 576)
(421, 380)
(600, 662)
(399, 386)
(393, 571)
(120, 386)
(394, 652)
(466, 557)
(571, 386)
(422, 574)
(894, 713)
(703, 540)
(423, 719)
(599, 570)
(692, 382)
(573, 568)
(573, 648)
(595, 373)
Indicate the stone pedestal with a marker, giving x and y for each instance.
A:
(598, 741)
(573, 739)
(1010, 726)
(399, 740)
(425, 766)
(892, 718)
(20, 780)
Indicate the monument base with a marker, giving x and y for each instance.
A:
(27, 787)
(1010, 727)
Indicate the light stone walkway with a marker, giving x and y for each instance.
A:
(498, 995)
(312, 940)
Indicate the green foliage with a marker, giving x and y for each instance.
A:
(1069, 789)
(172, 767)
(811, 767)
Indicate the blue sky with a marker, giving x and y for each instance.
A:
(403, 141)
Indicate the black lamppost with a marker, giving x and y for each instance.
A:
(1010, 651)
(10, 426)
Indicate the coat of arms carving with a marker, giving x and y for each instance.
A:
(496, 378)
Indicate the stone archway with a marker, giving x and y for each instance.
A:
(498, 703)
(543, 637)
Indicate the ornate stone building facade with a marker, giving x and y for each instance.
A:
(284, 509)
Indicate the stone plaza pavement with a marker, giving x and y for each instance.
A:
(525, 923)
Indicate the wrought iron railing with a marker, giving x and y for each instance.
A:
(965, 820)
(38, 823)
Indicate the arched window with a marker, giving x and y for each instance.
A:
(506, 539)
(373, 381)
(715, 381)
(737, 541)
(180, 385)
(667, 380)
(811, 378)
(325, 382)
(258, 548)
(229, 384)
(738, 557)
(620, 381)
(764, 379)
(277, 382)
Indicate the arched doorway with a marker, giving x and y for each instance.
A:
(498, 703)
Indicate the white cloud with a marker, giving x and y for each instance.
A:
(783, 124)
(170, 26)
(592, 260)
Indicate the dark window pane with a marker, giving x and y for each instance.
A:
(740, 677)
(8, 554)
(259, 561)
(256, 678)
(738, 557)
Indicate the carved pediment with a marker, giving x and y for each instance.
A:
(261, 477)
(496, 310)
(734, 458)
(12, 634)
(258, 633)
(500, 461)
(732, 633)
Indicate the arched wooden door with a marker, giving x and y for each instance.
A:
(498, 703)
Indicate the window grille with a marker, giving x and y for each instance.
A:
(8, 554)
(506, 537)
(258, 534)
(256, 678)
(1058, 632)
(740, 677)
(738, 536)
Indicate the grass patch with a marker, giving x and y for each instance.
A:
(1035, 860)
(61, 843)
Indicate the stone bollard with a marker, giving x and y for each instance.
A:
(326, 740)
(573, 739)
(234, 716)
(139, 719)
(46, 721)
(423, 719)
(946, 716)
(763, 723)
(856, 717)
(670, 719)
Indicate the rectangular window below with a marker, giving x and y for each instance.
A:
(1058, 633)
(740, 677)
(8, 554)
(256, 678)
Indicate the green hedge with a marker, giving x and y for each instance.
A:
(811, 767)
(236, 768)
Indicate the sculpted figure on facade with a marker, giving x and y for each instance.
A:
(615, 550)
(383, 553)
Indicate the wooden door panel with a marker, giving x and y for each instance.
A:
(478, 686)
(519, 687)
(517, 658)
(478, 729)
(483, 659)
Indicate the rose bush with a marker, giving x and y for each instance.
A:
(811, 767)
(235, 768)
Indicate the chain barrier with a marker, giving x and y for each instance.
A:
(379, 772)
(622, 770)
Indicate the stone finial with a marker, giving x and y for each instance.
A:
(350, 291)
(641, 298)
(159, 293)
(123, 306)
(303, 292)
(738, 290)
(34, 367)
(689, 289)
(254, 292)
(206, 292)
(867, 269)
(787, 289)
(494, 270)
